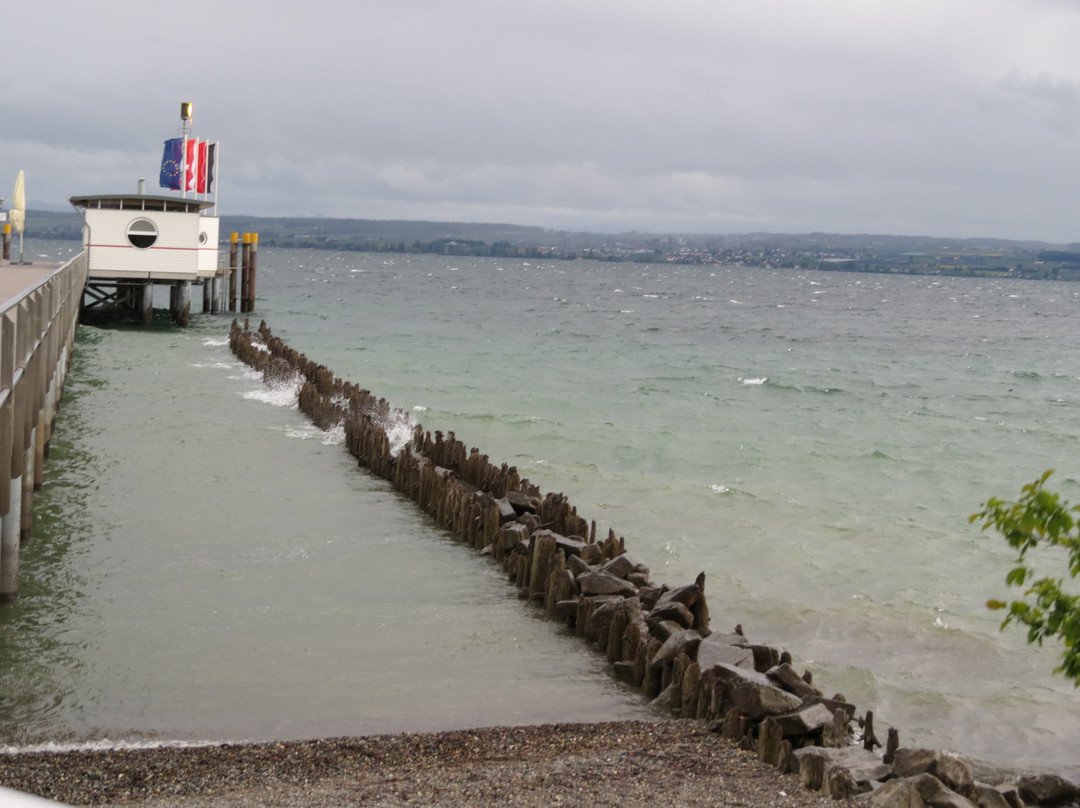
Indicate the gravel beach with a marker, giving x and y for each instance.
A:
(623, 764)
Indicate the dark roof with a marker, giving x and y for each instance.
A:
(141, 202)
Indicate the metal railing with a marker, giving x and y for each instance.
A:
(37, 332)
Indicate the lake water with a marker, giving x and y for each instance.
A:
(207, 565)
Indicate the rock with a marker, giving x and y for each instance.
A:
(909, 762)
(936, 795)
(785, 676)
(808, 718)
(864, 767)
(664, 700)
(602, 583)
(565, 609)
(624, 671)
(662, 629)
(522, 503)
(506, 511)
(1047, 789)
(672, 611)
(512, 535)
(681, 642)
(1011, 793)
(765, 658)
(954, 773)
(592, 554)
(650, 595)
(988, 797)
(753, 694)
(897, 794)
(577, 566)
(570, 546)
(686, 595)
(599, 620)
(716, 649)
(620, 566)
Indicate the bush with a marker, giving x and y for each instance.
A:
(1040, 517)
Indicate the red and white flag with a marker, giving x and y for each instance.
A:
(193, 165)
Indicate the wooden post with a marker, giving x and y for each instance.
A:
(245, 256)
(232, 270)
(253, 260)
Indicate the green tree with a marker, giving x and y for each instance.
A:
(1040, 517)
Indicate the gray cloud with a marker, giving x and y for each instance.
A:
(951, 118)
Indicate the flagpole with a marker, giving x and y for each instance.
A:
(183, 165)
(217, 172)
(185, 119)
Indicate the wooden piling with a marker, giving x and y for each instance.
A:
(245, 251)
(253, 260)
(233, 239)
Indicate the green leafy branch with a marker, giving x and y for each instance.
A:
(1039, 517)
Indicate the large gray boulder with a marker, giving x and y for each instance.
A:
(937, 795)
(717, 649)
(672, 611)
(753, 694)
(785, 676)
(681, 642)
(1047, 789)
(807, 719)
(602, 583)
(907, 762)
(620, 566)
(864, 767)
(897, 794)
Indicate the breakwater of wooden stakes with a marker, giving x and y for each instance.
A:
(655, 637)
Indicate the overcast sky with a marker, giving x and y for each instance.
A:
(922, 117)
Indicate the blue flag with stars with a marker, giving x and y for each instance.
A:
(171, 161)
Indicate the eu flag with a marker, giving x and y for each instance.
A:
(171, 161)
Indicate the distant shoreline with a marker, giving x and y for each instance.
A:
(881, 254)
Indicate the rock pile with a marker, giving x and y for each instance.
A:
(657, 638)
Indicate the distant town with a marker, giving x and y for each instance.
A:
(911, 255)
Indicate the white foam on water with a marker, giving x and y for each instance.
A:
(759, 381)
(106, 745)
(399, 431)
(281, 394)
(720, 489)
(334, 436)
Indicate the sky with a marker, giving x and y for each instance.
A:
(953, 118)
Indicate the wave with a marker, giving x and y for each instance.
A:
(106, 745)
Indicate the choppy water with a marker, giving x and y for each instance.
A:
(207, 565)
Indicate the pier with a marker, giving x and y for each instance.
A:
(39, 309)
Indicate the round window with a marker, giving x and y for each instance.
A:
(142, 233)
(203, 238)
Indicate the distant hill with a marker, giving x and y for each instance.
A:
(827, 251)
